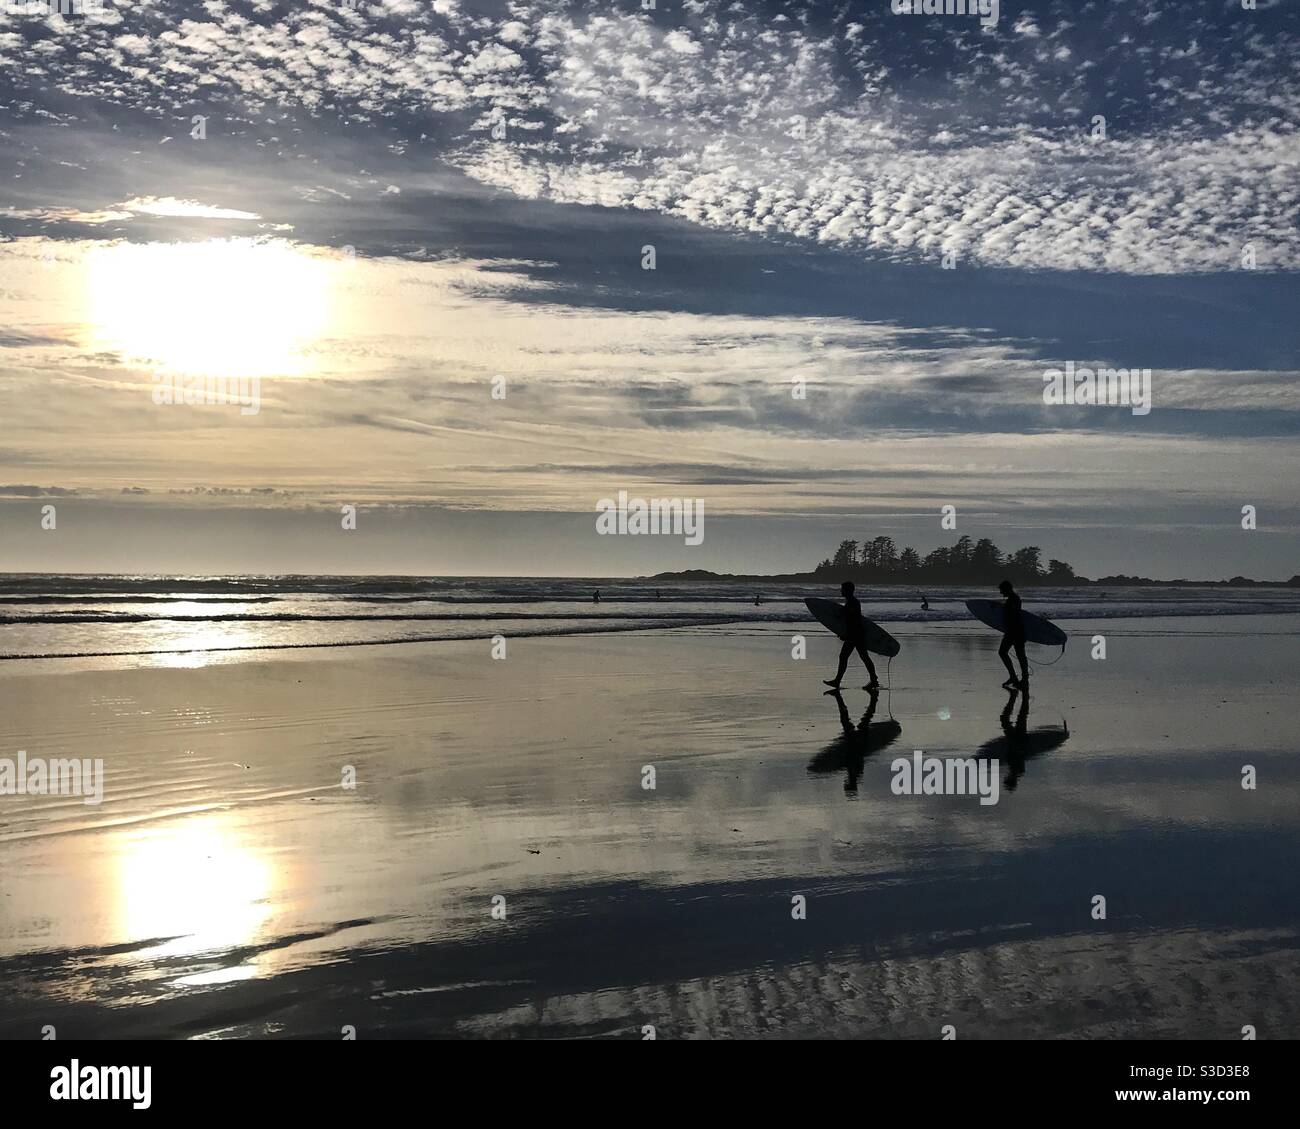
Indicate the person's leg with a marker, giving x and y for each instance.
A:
(1004, 651)
(845, 652)
(1024, 663)
(865, 655)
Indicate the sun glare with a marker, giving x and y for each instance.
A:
(223, 307)
(194, 882)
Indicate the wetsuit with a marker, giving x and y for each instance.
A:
(1013, 638)
(855, 639)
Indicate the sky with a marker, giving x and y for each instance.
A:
(421, 232)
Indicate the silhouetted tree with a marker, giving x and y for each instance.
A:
(1058, 572)
(985, 560)
(965, 562)
(936, 561)
(1024, 564)
(880, 555)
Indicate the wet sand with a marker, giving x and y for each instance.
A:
(229, 886)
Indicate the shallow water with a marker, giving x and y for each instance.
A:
(228, 885)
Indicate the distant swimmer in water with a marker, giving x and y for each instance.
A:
(758, 598)
(595, 598)
(1013, 637)
(855, 639)
(925, 603)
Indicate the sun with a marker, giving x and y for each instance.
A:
(220, 307)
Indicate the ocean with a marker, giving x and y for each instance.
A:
(132, 619)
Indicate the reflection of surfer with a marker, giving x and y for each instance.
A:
(848, 752)
(1015, 732)
(855, 639)
(1015, 736)
(1017, 744)
(1013, 637)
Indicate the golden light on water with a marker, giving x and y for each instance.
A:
(194, 646)
(220, 307)
(193, 880)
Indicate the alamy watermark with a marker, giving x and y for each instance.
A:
(76, 1082)
(1104, 386)
(945, 776)
(177, 388)
(39, 776)
(635, 516)
(987, 10)
(53, 7)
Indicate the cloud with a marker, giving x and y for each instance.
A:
(170, 206)
(850, 151)
(884, 137)
(403, 370)
(1009, 183)
(57, 215)
(35, 491)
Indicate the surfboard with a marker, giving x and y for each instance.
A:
(830, 614)
(1037, 629)
(1032, 743)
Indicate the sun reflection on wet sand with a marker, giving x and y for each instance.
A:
(196, 883)
(291, 898)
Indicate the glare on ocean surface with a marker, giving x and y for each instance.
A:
(201, 645)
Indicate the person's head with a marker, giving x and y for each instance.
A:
(1005, 588)
(846, 589)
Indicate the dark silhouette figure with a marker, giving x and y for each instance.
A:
(595, 596)
(855, 639)
(848, 752)
(1013, 637)
(925, 603)
(1017, 744)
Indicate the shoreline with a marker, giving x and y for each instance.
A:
(974, 629)
(675, 577)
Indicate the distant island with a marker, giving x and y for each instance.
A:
(968, 562)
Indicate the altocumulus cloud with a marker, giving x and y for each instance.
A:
(891, 137)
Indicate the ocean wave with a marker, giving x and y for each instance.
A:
(313, 617)
(768, 614)
(122, 616)
(583, 629)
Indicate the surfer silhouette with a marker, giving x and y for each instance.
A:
(1013, 638)
(855, 639)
